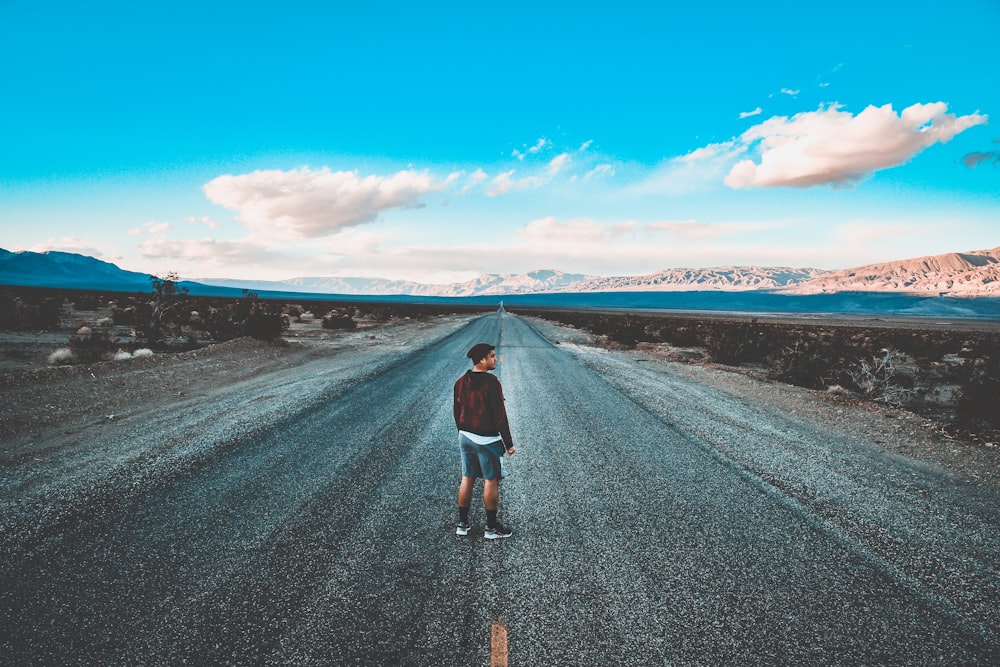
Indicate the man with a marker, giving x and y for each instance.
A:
(483, 437)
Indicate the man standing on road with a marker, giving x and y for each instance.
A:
(483, 436)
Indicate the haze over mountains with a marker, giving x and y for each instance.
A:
(975, 273)
(967, 274)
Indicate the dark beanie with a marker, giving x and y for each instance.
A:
(479, 352)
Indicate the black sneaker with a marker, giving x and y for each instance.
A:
(463, 528)
(497, 533)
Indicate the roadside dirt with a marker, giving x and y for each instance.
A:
(36, 396)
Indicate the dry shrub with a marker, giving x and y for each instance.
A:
(88, 346)
(735, 344)
(875, 378)
(979, 400)
(337, 320)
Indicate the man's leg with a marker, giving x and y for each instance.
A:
(491, 498)
(491, 494)
(465, 498)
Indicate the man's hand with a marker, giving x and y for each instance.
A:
(510, 452)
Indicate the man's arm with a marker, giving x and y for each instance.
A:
(500, 411)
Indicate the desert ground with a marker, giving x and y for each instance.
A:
(39, 394)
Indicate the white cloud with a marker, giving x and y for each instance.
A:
(505, 183)
(747, 114)
(531, 150)
(723, 149)
(692, 229)
(501, 184)
(830, 146)
(600, 170)
(475, 178)
(789, 91)
(151, 227)
(67, 244)
(304, 203)
(207, 251)
(576, 230)
(585, 145)
(558, 163)
(203, 220)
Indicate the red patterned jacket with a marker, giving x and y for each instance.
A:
(479, 406)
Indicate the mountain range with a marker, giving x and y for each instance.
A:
(966, 274)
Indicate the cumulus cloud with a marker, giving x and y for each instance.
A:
(789, 91)
(830, 146)
(304, 203)
(747, 114)
(206, 251)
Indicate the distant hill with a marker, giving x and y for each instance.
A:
(975, 273)
(726, 279)
(968, 274)
(67, 269)
(73, 271)
(485, 285)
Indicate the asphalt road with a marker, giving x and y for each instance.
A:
(327, 538)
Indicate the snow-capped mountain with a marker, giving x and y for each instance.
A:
(974, 273)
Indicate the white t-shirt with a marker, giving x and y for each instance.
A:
(481, 439)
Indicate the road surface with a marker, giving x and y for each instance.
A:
(651, 527)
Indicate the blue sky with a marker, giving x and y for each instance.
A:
(272, 141)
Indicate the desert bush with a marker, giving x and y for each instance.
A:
(979, 399)
(249, 316)
(337, 320)
(735, 343)
(161, 319)
(88, 346)
(875, 378)
(86, 302)
(627, 331)
(23, 314)
(264, 325)
(803, 365)
(123, 315)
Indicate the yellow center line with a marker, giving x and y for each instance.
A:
(498, 644)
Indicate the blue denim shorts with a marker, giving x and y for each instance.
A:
(480, 460)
